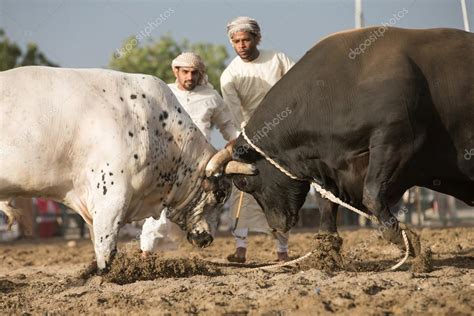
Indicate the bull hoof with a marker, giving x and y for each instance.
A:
(413, 241)
(104, 271)
(395, 236)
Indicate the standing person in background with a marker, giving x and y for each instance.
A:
(244, 83)
(445, 206)
(199, 98)
(206, 108)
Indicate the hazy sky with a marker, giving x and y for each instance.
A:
(87, 33)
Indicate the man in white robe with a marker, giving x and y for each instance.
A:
(206, 108)
(244, 83)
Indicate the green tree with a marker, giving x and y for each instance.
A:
(9, 52)
(155, 57)
(34, 56)
(11, 55)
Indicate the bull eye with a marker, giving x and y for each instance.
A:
(220, 196)
(241, 183)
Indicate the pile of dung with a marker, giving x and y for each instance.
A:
(88, 271)
(128, 269)
(325, 254)
(423, 263)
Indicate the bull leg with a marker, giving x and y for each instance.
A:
(328, 215)
(384, 165)
(391, 230)
(91, 233)
(107, 219)
(327, 241)
(91, 268)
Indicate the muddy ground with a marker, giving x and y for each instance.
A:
(41, 277)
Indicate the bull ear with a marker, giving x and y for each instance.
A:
(237, 167)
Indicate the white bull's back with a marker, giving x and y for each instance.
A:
(74, 134)
(52, 119)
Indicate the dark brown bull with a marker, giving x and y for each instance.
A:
(367, 124)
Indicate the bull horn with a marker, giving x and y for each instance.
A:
(218, 160)
(237, 167)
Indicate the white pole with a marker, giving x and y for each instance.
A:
(464, 15)
(359, 20)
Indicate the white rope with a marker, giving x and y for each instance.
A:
(407, 253)
(279, 265)
(276, 165)
(331, 197)
(327, 195)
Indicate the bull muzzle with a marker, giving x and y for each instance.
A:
(200, 239)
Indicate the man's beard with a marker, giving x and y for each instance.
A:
(189, 85)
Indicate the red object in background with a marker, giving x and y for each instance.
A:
(47, 212)
(47, 207)
(46, 229)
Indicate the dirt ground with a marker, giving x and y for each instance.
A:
(41, 277)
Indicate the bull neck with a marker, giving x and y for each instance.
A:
(193, 178)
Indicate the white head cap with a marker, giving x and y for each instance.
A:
(191, 60)
(244, 24)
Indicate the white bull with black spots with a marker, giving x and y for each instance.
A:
(112, 146)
